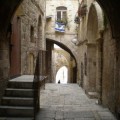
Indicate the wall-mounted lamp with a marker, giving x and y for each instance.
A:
(75, 41)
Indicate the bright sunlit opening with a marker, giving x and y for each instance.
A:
(56, 46)
(62, 75)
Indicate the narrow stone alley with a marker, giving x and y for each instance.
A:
(76, 42)
(69, 102)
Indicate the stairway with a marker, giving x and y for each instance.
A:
(17, 103)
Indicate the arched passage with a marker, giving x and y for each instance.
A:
(62, 75)
(49, 47)
(110, 7)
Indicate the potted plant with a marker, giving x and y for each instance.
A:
(77, 20)
(62, 21)
(82, 10)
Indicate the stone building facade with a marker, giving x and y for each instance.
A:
(89, 36)
(32, 35)
(108, 47)
(70, 34)
(97, 54)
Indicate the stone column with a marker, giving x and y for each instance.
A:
(99, 60)
(49, 61)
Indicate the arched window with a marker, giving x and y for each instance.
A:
(61, 13)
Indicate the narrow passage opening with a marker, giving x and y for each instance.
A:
(62, 75)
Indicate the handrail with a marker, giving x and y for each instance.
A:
(39, 79)
(36, 88)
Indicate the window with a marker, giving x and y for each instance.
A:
(61, 14)
(32, 34)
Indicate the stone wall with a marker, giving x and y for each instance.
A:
(4, 63)
(95, 36)
(33, 17)
(109, 70)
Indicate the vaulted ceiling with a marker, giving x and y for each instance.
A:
(110, 7)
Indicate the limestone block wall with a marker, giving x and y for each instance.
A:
(33, 18)
(72, 6)
(109, 67)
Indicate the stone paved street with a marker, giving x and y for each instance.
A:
(69, 102)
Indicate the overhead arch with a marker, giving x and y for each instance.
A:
(63, 47)
(65, 63)
(110, 7)
(99, 15)
(95, 16)
(69, 51)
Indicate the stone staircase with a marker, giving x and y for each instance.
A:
(17, 103)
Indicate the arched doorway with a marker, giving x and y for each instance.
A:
(31, 64)
(62, 75)
(49, 46)
(94, 48)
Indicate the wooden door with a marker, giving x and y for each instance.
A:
(15, 57)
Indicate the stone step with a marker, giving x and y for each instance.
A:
(92, 95)
(17, 101)
(16, 118)
(16, 111)
(10, 92)
(20, 84)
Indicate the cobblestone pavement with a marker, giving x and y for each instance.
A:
(69, 102)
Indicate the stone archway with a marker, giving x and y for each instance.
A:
(61, 58)
(94, 30)
(49, 49)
